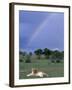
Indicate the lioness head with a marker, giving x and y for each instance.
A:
(34, 71)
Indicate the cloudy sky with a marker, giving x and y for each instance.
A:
(41, 30)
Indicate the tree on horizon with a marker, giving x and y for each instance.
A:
(38, 52)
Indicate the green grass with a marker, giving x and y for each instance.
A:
(45, 65)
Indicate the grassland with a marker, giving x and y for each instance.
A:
(45, 65)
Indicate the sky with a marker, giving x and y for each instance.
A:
(41, 30)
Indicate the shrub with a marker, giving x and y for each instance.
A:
(21, 60)
(28, 60)
(58, 61)
(53, 61)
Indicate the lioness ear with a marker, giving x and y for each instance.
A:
(33, 69)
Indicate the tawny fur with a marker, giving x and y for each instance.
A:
(36, 72)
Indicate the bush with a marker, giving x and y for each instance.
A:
(58, 61)
(21, 60)
(53, 61)
(28, 60)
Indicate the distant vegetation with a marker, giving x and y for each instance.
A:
(49, 61)
(54, 56)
